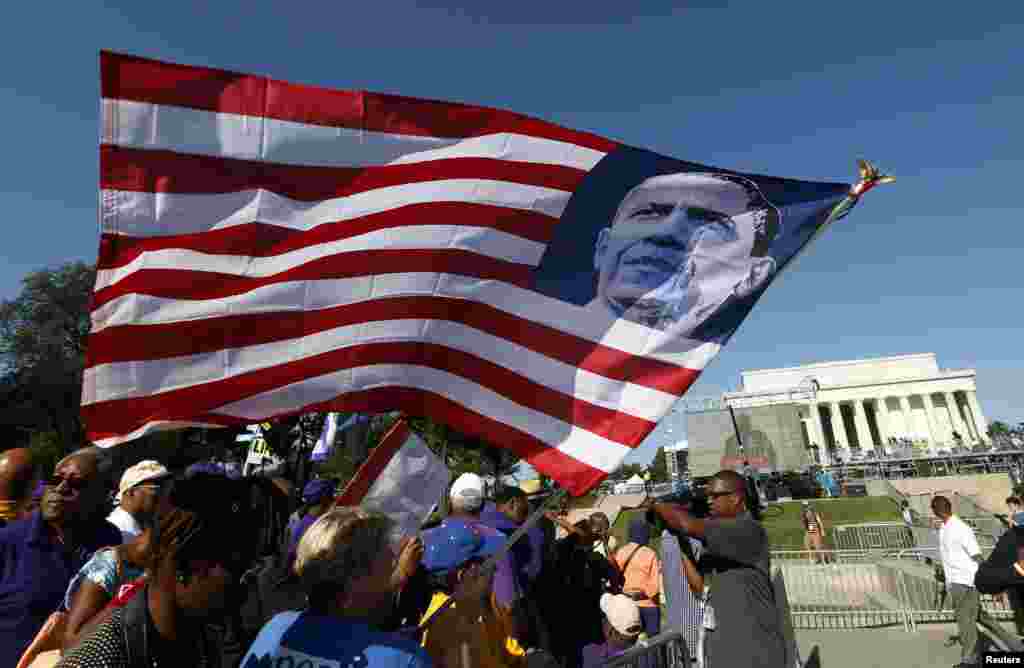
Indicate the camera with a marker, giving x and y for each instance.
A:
(694, 501)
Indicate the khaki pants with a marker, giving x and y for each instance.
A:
(967, 604)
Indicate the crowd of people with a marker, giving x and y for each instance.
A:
(200, 569)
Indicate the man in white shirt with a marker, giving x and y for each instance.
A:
(137, 497)
(960, 555)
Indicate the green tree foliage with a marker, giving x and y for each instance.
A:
(626, 471)
(353, 446)
(464, 454)
(46, 451)
(659, 467)
(998, 429)
(43, 333)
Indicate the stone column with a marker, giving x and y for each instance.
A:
(954, 417)
(908, 418)
(860, 423)
(882, 420)
(838, 430)
(933, 424)
(890, 420)
(816, 432)
(964, 411)
(981, 425)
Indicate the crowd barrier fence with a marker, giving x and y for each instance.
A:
(665, 650)
(845, 589)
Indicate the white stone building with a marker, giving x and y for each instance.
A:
(861, 405)
(676, 460)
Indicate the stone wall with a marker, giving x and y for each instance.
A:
(988, 490)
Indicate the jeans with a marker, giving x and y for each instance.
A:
(650, 617)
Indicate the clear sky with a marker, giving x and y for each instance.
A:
(933, 94)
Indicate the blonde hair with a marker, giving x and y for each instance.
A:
(341, 546)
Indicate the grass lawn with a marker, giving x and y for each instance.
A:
(782, 520)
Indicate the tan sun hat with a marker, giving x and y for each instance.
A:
(145, 471)
(622, 613)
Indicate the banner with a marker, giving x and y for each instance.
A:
(269, 249)
(402, 478)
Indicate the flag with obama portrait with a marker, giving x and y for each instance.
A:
(270, 249)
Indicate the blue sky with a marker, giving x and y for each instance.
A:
(795, 89)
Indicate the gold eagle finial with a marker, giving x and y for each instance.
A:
(870, 176)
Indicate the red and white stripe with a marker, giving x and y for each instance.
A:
(269, 248)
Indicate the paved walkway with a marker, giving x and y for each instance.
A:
(890, 646)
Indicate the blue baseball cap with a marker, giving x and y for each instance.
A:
(318, 490)
(456, 542)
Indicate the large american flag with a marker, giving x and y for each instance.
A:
(269, 248)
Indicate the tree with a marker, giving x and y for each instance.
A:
(463, 453)
(43, 334)
(659, 467)
(997, 428)
(626, 471)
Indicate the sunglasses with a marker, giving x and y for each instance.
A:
(74, 484)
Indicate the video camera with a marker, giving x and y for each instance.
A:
(695, 501)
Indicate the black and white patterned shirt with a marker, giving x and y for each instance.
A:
(104, 648)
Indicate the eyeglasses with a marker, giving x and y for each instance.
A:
(74, 484)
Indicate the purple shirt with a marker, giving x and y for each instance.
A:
(528, 551)
(594, 656)
(34, 574)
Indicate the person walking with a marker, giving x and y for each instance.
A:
(814, 532)
(960, 555)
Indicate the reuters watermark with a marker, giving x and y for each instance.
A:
(1002, 659)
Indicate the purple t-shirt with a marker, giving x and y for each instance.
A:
(528, 552)
(594, 656)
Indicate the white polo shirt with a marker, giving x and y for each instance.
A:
(957, 546)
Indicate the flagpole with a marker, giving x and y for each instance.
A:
(491, 564)
(869, 177)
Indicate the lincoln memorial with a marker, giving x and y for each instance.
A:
(889, 404)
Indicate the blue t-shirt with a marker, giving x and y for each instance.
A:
(303, 639)
(1018, 519)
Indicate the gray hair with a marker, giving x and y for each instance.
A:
(341, 546)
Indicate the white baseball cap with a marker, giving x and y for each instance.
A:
(470, 488)
(145, 471)
(622, 613)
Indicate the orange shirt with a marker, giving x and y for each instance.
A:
(642, 573)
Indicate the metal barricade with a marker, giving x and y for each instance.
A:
(836, 589)
(840, 589)
(665, 650)
(872, 536)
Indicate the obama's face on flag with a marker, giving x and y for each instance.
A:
(683, 244)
